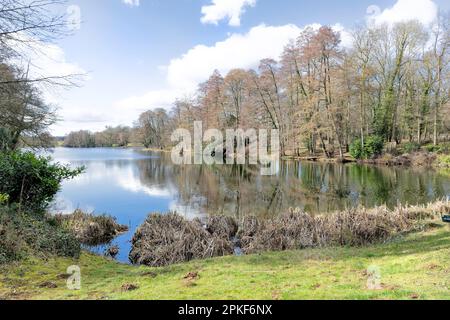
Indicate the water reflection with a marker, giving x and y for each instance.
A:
(130, 184)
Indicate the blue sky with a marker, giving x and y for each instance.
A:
(143, 56)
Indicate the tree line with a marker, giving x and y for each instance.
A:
(391, 85)
(152, 130)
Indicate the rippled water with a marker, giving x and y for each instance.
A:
(130, 184)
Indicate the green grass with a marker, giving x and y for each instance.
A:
(414, 267)
(444, 161)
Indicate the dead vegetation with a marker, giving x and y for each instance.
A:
(415, 159)
(353, 227)
(129, 287)
(169, 239)
(89, 229)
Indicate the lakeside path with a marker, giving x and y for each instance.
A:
(416, 266)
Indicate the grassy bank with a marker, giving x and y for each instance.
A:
(413, 267)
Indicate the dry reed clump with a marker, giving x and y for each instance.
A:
(168, 239)
(423, 159)
(222, 226)
(358, 227)
(288, 231)
(353, 227)
(91, 230)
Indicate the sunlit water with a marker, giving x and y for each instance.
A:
(129, 184)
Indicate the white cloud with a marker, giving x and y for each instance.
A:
(424, 11)
(43, 59)
(132, 3)
(49, 60)
(237, 51)
(46, 60)
(185, 73)
(346, 36)
(220, 10)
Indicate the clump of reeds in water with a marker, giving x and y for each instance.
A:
(352, 227)
(89, 229)
(168, 239)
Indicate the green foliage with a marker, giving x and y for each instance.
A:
(433, 148)
(31, 181)
(5, 139)
(373, 146)
(4, 198)
(357, 149)
(444, 148)
(444, 161)
(408, 264)
(23, 234)
(89, 229)
(410, 147)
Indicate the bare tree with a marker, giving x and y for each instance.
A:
(23, 113)
(25, 26)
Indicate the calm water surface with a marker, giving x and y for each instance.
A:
(129, 184)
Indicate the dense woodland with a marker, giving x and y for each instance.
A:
(393, 83)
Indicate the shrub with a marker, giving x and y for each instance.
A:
(22, 234)
(433, 148)
(168, 239)
(353, 227)
(444, 147)
(444, 161)
(4, 198)
(30, 180)
(411, 147)
(357, 149)
(373, 146)
(91, 230)
(11, 245)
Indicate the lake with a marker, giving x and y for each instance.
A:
(129, 184)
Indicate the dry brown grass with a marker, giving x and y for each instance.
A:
(168, 239)
(89, 229)
(352, 227)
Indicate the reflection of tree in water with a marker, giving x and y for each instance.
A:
(314, 187)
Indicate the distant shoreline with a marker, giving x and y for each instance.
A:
(422, 159)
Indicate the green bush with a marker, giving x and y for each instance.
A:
(11, 245)
(357, 149)
(373, 146)
(89, 229)
(30, 180)
(444, 148)
(4, 198)
(411, 147)
(5, 139)
(433, 148)
(22, 234)
(444, 161)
